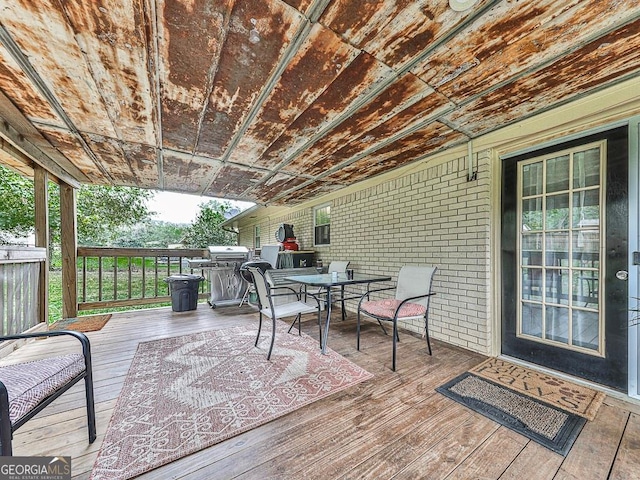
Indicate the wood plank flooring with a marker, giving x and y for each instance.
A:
(393, 426)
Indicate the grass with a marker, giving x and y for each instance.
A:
(153, 284)
(55, 300)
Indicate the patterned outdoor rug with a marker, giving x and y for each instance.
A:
(548, 410)
(184, 394)
(88, 323)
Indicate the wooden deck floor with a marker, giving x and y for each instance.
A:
(393, 426)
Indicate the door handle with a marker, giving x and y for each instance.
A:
(622, 275)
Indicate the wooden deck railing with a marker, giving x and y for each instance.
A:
(120, 277)
(20, 299)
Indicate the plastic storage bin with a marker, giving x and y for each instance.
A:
(184, 291)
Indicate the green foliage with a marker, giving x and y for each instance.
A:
(16, 205)
(206, 229)
(55, 295)
(151, 234)
(102, 212)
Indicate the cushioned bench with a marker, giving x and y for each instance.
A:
(27, 388)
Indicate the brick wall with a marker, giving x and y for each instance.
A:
(433, 217)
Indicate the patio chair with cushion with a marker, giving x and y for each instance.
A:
(27, 388)
(267, 306)
(411, 300)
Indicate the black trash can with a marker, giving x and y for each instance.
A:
(184, 291)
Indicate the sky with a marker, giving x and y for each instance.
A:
(181, 208)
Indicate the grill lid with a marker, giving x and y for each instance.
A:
(237, 250)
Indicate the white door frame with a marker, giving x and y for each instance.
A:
(633, 239)
(634, 246)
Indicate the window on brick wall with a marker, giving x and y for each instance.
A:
(321, 225)
(256, 236)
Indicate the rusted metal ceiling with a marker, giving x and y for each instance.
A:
(280, 101)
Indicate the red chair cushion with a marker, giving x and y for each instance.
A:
(387, 308)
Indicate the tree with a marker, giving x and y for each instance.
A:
(102, 211)
(16, 205)
(206, 229)
(152, 234)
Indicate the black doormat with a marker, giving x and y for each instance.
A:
(549, 426)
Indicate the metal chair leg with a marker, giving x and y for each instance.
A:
(259, 328)
(91, 408)
(6, 430)
(395, 336)
(297, 319)
(382, 326)
(273, 338)
(426, 332)
(358, 331)
(245, 297)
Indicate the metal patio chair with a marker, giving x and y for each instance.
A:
(337, 293)
(27, 388)
(411, 300)
(266, 306)
(269, 253)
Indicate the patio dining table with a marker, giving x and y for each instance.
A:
(327, 281)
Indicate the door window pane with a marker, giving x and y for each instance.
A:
(532, 319)
(586, 332)
(532, 214)
(557, 215)
(557, 248)
(557, 324)
(557, 286)
(532, 284)
(586, 249)
(532, 179)
(586, 168)
(532, 249)
(585, 288)
(586, 208)
(558, 174)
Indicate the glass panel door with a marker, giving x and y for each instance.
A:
(560, 212)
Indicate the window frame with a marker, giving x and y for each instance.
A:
(572, 306)
(256, 236)
(316, 226)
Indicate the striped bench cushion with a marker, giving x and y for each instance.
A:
(31, 382)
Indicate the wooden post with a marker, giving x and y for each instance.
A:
(69, 247)
(41, 189)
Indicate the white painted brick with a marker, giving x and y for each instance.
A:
(432, 216)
